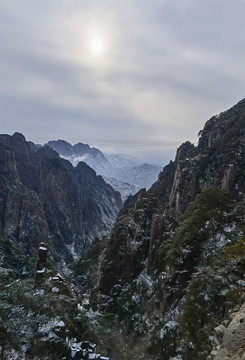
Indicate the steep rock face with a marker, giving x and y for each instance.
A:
(23, 158)
(179, 183)
(162, 228)
(216, 128)
(21, 213)
(128, 247)
(98, 196)
(229, 339)
(122, 173)
(44, 199)
(174, 263)
(217, 160)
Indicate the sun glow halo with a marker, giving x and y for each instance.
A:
(96, 46)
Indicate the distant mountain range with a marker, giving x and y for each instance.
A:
(123, 173)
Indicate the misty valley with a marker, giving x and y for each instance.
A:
(106, 257)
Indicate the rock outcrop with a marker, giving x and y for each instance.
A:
(129, 244)
(44, 199)
(230, 336)
(41, 265)
(217, 160)
(121, 172)
(153, 267)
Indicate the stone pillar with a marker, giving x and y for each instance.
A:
(141, 195)
(41, 265)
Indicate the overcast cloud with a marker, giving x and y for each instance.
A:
(166, 67)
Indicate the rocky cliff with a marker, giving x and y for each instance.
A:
(124, 174)
(229, 336)
(217, 160)
(43, 198)
(174, 250)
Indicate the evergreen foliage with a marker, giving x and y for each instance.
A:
(205, 217)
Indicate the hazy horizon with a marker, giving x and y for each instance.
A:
(136, 77)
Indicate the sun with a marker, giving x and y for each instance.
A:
(96, 46)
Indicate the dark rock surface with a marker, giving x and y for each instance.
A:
(144, 224)
(41, 265)
(44, 199)
(229, 339)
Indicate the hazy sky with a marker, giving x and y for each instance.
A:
(166, 66)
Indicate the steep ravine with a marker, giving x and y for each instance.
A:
(170, 242)
(165, 284)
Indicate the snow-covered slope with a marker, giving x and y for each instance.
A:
(143, 175)
(124, 173)
(124, 188)
(122, 161)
